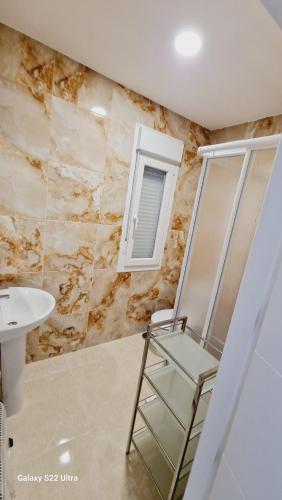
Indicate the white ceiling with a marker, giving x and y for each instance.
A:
(236, 77)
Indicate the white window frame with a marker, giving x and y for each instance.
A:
(160, 151)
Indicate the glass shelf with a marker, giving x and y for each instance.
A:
(177, 392)
(168, 433)
(190, 356)
(156, 464)
(180, 375)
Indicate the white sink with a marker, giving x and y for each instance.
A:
(25, 309)
(21, 310)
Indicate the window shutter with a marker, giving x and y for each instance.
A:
(146, 224)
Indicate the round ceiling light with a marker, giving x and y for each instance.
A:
(187, 43)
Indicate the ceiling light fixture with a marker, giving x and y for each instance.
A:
(187, 43)
(99, 111)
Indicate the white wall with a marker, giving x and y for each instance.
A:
(251, 466)
(275, 9)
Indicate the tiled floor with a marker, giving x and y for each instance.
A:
(75, 422)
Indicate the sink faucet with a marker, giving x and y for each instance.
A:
(4, 292)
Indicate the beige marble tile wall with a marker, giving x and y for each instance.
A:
(63, 175)
(265, 126)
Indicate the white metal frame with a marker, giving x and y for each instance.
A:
(235, 148)
(157, 150)
(227, 242)
(266, 142)
(251, 305)
(189, 242)
(165, 212)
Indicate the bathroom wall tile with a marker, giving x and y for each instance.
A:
(78, 136)
(69, 246)
(117, 165)
(189, 173)
(36, 68)
(70, 289)
(180, 219)
(151, 291)
(69, 76)
(59, 334)
(33, 280)
(229, 134)
(96, 90)
(194, 136)
(120, 138)
(185, 193)
(265, 126)
(73, 193)
(106, 246)
(197, 136)
(108, 301)
(24, 121)
(9, 52)
(130, 108)
(115, 188)
(27, 62)
(172, 124)
(190, 167)
(18, 172)
(105, 284)
(77, 246)
(32, 343)
(166, 296)
(144, 294)
(21, 245)
(173, 255)
(120, 143)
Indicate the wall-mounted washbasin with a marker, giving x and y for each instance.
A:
(21, 310)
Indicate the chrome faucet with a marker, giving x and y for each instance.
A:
(5, 295)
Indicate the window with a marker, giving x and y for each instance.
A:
(154, 170)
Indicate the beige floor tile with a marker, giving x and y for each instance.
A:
(75, 422)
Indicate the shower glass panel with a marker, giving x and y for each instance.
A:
(219, 188)
(259, 172)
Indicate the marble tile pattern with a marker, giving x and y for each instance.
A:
(64, 177)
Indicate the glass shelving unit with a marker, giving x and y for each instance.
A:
(173, 415)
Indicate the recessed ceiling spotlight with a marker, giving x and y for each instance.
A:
(99, 111)
(187, 43)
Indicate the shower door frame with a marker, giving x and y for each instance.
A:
(244, 332)
(244, 148)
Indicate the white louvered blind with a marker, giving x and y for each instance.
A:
(148, 212)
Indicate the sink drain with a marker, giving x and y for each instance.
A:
(12, 323)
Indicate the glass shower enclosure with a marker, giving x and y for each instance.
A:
(229, 199)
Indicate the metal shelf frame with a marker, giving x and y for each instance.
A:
(206, 376)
